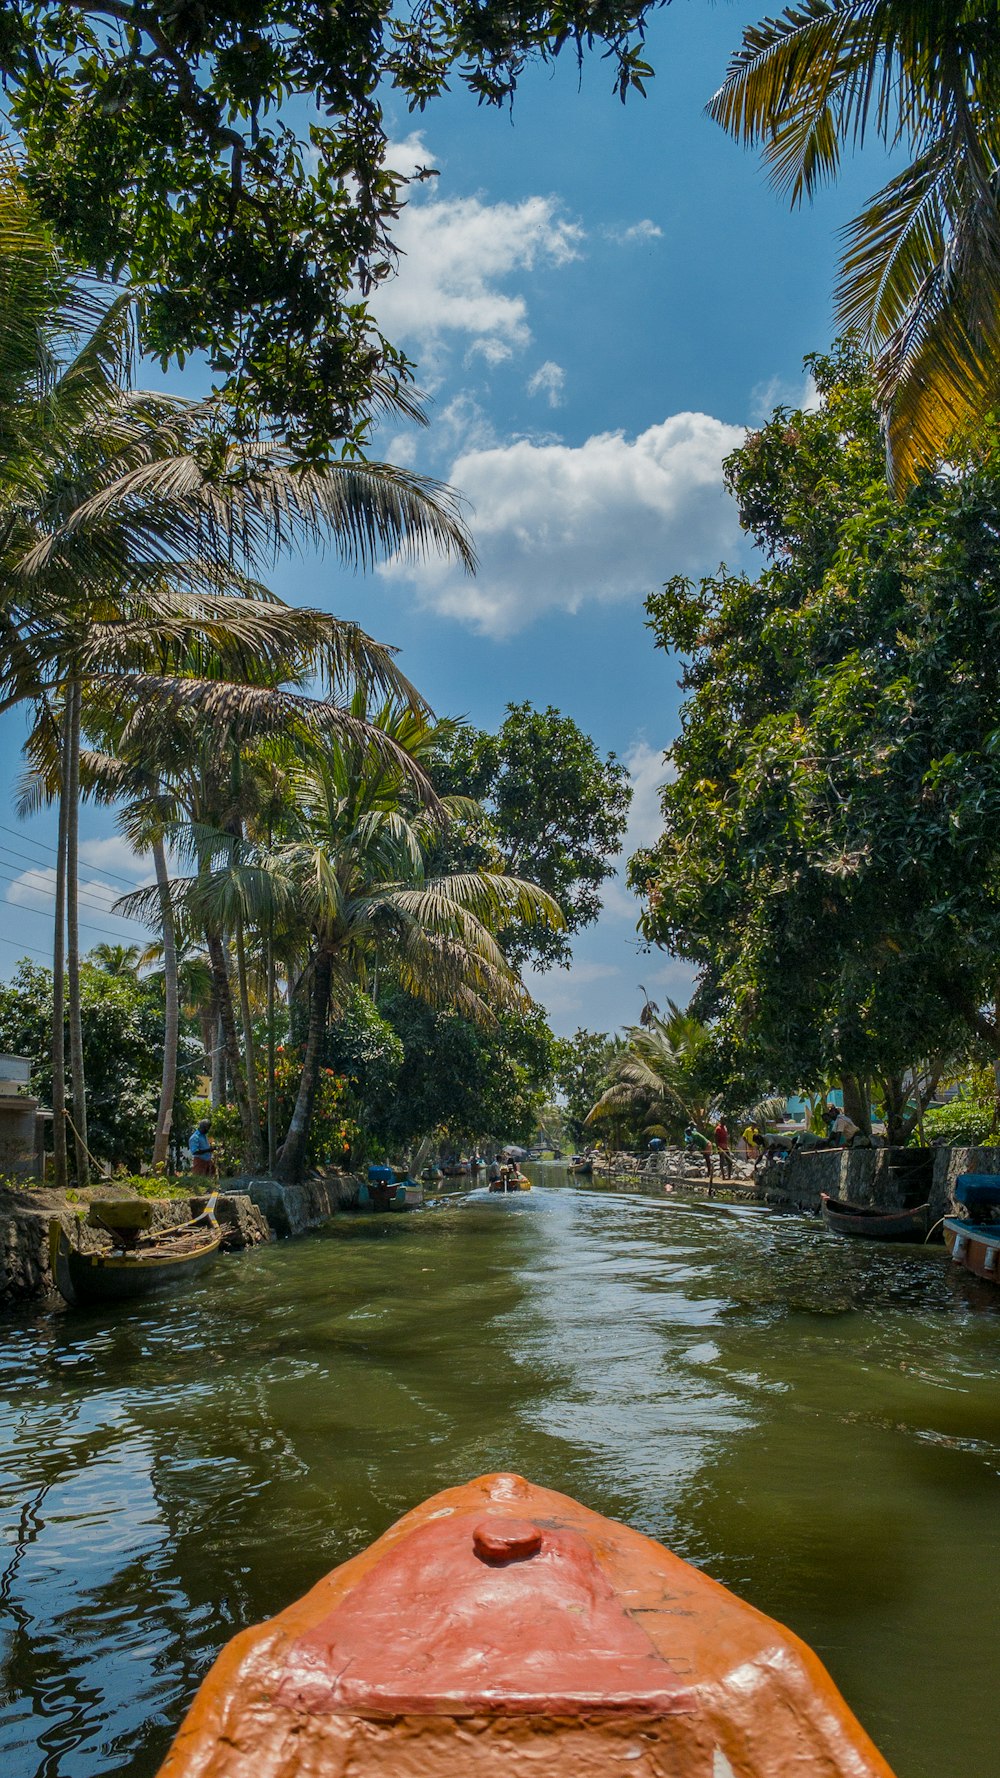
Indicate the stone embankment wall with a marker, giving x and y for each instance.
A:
(24, 1233)
(875, 1176)
(251, 1211)
(294, 1209)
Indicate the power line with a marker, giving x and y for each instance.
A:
(85, 925)
(35, 952)
(85, 896)
(43, 845)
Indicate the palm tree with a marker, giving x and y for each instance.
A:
(920, 275)
(345, 878)
(128, 529)
(662, 1075)
(118, 960)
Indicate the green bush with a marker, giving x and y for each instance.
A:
(970, 1119)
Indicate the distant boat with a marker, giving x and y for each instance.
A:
(502, 1628)
(873, 1224)
(581, 1166)
(383, 1190)
(976, 1245)
(140, 1262)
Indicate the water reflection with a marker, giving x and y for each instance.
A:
(816, 1421)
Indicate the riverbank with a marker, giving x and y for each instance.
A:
(251, 1211)
(888, 1178)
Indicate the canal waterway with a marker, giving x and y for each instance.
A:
(815, 1422)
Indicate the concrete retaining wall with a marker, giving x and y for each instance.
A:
(866, 1176)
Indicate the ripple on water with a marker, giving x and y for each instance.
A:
(815, 1421)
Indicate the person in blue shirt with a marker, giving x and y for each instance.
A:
(201, 1148)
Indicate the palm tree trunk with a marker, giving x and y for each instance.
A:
(249, 1046)
(171, 1020)
(217, 1057)
(60, 1158)
(249, 1125)
(292, 1159)
(272, 1097)
(72, 792)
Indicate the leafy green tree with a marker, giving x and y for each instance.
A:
(460, 1081)
(555, 813)
(232, 159)
(830, 851)
(581, 1074)
(363, 1046)
(122, 1021)
(970, 1118)
(920, 274)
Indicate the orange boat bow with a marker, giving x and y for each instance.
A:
(502, 1629)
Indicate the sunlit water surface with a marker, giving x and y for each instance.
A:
(815, 1422)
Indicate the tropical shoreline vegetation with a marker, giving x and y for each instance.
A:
(334, 865)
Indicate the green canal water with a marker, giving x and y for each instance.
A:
(816, 1423)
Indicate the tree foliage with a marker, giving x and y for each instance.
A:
(920, 274)
(463, 1082)
(830, 853)
(662, 1077)
(122, 1042)
(231, 158)
(555, 813)
(582, 1064)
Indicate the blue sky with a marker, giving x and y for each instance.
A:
(599, 299)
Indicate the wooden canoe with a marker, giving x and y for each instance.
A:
(173, 1256)
(583, 1169)
(501, 1630)
(873, 1224)
(975, 1246)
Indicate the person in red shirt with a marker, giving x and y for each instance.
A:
(720, 1136)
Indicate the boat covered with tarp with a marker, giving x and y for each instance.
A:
(973, 1240)
(501, 1630)
(141, 1259)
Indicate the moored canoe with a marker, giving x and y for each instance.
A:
(503, 1629)
(118, 1276)
(874, 1224)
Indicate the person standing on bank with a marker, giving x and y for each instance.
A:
(721, 1137)
(202, 1153)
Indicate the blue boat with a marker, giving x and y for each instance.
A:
(976, 1244)
(383, 1191)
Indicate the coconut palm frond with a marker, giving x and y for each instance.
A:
(920, 276)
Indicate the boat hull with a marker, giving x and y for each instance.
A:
(975, 1247)
(504, 1631)
(843, 1218)
(119, 1277)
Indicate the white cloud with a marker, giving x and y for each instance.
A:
(464, 425)
(409, 155)
(781, 392)
(648, 772)
(646, 230)
(35, 889)
(114, 854)
(456, 254)
(560, 991)
(548, 380)
(558, 526)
